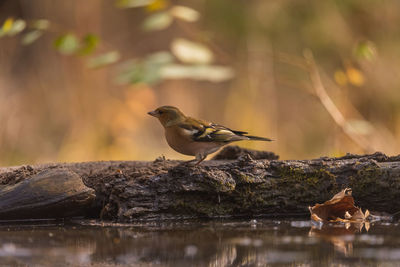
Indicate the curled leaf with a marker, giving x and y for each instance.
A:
(338, 209)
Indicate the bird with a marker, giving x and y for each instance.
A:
(194, 137)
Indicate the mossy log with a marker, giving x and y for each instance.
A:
(254, 184)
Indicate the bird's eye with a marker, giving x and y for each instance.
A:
(160, 112)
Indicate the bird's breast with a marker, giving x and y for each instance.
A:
(182, 142)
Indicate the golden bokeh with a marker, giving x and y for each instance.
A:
(240, 64)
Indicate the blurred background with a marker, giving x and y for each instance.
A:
(78, 77)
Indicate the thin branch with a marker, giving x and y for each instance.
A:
(330, 106)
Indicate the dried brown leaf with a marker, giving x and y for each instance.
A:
(367, 226)
(340, 208)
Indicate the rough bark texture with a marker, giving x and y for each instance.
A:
(165, 189)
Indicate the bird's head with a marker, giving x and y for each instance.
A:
(168, 115)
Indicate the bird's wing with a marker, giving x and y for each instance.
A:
(202, 131)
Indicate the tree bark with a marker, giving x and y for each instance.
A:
(254, 184)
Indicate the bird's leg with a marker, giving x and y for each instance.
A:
(200, 158)
(189, 161)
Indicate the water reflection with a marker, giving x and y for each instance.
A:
(233, 243)
(340, 235)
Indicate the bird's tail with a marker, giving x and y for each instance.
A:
(257, 138)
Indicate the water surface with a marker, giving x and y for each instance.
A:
(212, 243)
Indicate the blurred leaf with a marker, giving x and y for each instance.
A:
(67, 44)
(359, 126)
(158, 21)
(17, 27)
(157, 5)
(153, 65)
(197, 72)
(365, 50)
(185, 13)
(7, 25)
(355, 76)
(340, 77)
(11, 27)
(160, 58)
(144, 71)
(90, 42)
(104, 59)
(191, 52)
(131, 73)
(133, 3)
(31, 37)
(41, 24)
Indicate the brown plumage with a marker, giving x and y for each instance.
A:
(196, 137)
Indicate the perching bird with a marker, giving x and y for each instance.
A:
(195, 137)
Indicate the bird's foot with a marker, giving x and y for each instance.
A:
(187, 163)
(190, 163)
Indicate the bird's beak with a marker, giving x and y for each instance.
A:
(152, 113)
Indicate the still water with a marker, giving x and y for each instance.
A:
(211, 243)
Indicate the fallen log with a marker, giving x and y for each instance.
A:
(255, 184)
(51, 193)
